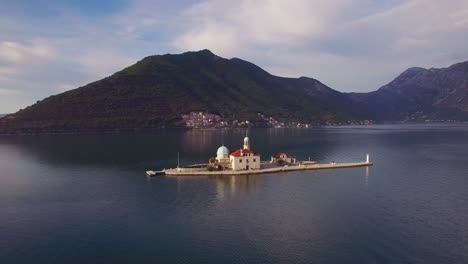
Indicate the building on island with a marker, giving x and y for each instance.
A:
(221, 161)
(239, 159)
(282, 159)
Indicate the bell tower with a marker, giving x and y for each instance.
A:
(246, 143)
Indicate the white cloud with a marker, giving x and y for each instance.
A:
(350, 45)
(75, 52)
(16, 52)
(5, 92)
(230, 27)
(16, 56)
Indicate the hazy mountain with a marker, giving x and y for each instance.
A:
(420, 94)
(157, 90)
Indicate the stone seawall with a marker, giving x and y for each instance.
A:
(194, 172)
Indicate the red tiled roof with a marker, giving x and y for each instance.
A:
(212, 159)
(236, 153)
(239, 152)
(278, 155)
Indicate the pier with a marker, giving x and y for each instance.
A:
(276, 169)
(245, 161)
(152, 173)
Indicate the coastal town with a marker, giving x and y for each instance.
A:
(199, 120)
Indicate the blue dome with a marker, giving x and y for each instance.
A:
(222, 151)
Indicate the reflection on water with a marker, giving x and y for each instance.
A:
(79, 199)
(201, 140)
(367, 176)
(225, 186)
(159, 150)
(240, 183)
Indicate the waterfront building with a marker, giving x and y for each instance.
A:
(239, 159)
(282, 158)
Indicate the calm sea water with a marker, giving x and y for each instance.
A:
(85, 199)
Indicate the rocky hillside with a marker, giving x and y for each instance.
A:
(420, 94)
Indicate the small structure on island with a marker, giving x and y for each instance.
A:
(282, 159)
(239, 159)
(221, 161)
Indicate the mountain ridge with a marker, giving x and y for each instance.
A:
(160, 90)
(157, 90)
(420, 94)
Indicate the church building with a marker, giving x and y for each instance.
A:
(240, 159)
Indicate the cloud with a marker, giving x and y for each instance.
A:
(350, 45)
(6, 73)
(38, 56)
(15, 56)
(16, 52)
(11, 98)
(231, 26)
(103, 62)
(5, 92)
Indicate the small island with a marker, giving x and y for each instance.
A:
(247, 161)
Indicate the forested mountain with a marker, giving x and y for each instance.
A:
(157, 90)
(160, 90)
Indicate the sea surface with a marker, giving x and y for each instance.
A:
(85, 198)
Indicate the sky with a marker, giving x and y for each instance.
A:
(50, 46)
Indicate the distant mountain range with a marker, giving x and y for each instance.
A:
(420, 94)
(165, 90)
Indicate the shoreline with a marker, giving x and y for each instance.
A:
(40, 132)
(176, 172)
